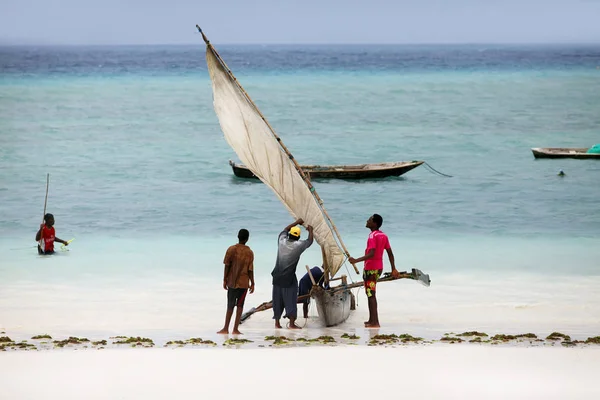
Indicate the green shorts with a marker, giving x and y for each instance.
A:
(370, 276)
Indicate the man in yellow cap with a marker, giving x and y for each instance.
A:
(285, 283)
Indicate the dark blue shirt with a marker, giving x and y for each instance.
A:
(305, 283)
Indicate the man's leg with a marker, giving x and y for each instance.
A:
(293, 324)
(230, 305)
(366, 279)
(373, 315)
(370, 288)
(228, 315)
(241, 298)
(236, 324)
(277, 305)
(290, 300)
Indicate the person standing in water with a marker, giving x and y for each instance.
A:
(46, 236)
(373, 258)
(237, 278)
(285, 283)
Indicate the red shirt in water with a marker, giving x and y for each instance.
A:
(47, 240)
(379, 241)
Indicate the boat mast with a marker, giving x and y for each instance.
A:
(283, 147)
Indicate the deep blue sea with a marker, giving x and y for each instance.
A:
(139, 176)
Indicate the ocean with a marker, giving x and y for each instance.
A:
(139, 177)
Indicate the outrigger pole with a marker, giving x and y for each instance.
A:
(415, 274)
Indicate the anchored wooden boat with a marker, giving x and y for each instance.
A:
(361, 171)
(263, 153)
(564, 152)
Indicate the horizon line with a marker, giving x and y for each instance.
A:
(306, 44)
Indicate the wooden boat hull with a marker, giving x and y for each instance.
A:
(362, 171)
(558, 152)
(333, 307)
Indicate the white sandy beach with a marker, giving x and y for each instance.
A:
(413, 372)
(60, 298)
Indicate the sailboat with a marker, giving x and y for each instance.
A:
(262, 151)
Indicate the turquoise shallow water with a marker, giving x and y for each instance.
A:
(139, 174)
(130, 151)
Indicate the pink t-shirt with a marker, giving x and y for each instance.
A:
(379, 241)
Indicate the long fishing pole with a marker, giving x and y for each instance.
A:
(45, 203)
(46, 199)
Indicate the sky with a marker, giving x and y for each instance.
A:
(87, 22)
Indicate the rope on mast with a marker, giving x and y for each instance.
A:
(289, 154)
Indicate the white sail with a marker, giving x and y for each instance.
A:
(259, 148)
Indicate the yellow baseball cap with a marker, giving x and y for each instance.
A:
(295, 231)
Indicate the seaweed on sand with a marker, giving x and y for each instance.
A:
(23, 346)
(473, 333)
(501, 337)
(451, 339)
(136, 341)
(279, 340)
(70, 340)
(393, 338)
(235, 341)
(348, 336)
(558, 336)
(46, 336)
(322, 339)
(200, 341)
(594, 340)
(175, 342)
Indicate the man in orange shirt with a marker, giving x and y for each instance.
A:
(46, 236)
(237, 278)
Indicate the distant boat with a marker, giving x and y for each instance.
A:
(361, 171)
(564, 152)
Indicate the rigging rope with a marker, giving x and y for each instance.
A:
(433, 170)
(310, 308)
(348, 271)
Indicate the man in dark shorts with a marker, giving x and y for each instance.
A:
(285, 283)
(237, 278)
(305, 285)
(373, 258)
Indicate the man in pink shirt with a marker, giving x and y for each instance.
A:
(373, 258)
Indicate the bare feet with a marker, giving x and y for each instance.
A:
(236, 332)
(294, 326)
(277, 325)
(372, 325)
(367, 323)
(223, 331)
